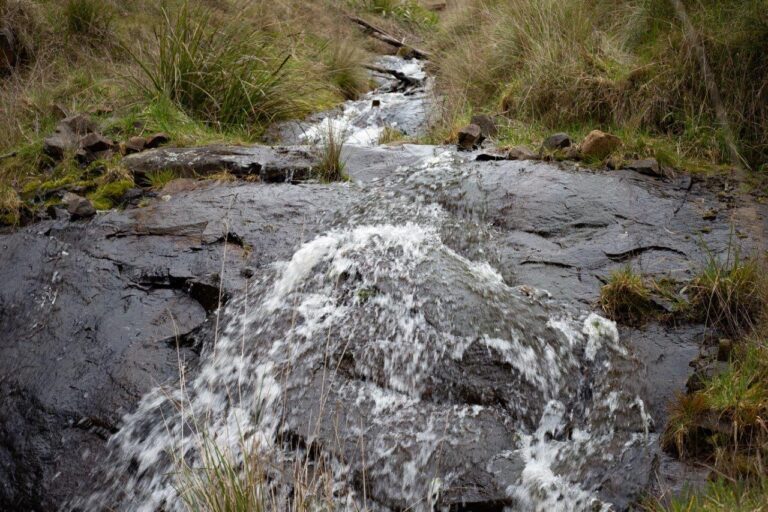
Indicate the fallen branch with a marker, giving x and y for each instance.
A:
(381, 35)
(399, 75)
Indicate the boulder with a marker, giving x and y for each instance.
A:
(270, 164)
(487, 125)
(598, 144)
(647, 166)
(557, 141)
(470, 137)
(156, 140)
(521, 153)
(67, 136)
(78, 206)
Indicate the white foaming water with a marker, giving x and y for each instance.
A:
(408, 362)
(360, 123)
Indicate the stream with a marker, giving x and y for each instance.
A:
(422, 338)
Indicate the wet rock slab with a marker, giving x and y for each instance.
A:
(98, 307)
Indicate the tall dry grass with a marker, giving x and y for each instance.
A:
(630, 64)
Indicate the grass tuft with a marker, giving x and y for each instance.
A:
(91, 18)
(331, 166)
(344, 61)
(228, 75)
(731, 295)
(626, 298)
(159, 179)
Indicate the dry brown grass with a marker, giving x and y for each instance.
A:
(630, 65)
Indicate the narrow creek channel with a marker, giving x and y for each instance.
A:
(435, 346)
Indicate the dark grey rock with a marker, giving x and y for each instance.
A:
(557, 141)
(156, 140)
(470, 137)
(521, 153)
(67, 136)
(648, 166)
(78, 206)
(487, 125)
(271, 164)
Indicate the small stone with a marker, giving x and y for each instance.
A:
(78, 206)
(156, 140)
(67, 136)
(710, 214)
(96, 143)
(470, 137)
(556, 141)
(648, 166)
(247, 272)
(135, 145)
(521, 153)
(598, 145)
(487, 125)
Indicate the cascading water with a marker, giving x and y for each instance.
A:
(390, 348)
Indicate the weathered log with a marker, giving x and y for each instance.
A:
(381, 35)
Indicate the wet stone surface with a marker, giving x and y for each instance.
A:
(426, 327)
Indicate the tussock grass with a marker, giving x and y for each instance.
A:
(344, 61)
(721, 495)
(631, 65)
(227, 75)
(725, 423)
(331, 166)
(203, 72)
(158, 179)
(409, 12)
(90, 18)
(731, 295)
(626, 298)
(226, 482)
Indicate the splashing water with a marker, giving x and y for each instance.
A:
(391, 347)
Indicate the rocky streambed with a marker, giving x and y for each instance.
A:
(428, 329)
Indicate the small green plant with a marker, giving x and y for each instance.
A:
(10, 203)
(626, 298)
(158, 179)
(87, 18)
(730, 294)
(331, 166)
(108, 195)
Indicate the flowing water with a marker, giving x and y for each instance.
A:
(391, 352)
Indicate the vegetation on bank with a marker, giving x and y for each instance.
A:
(198, 71)
(679, 80)
(721, 421)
